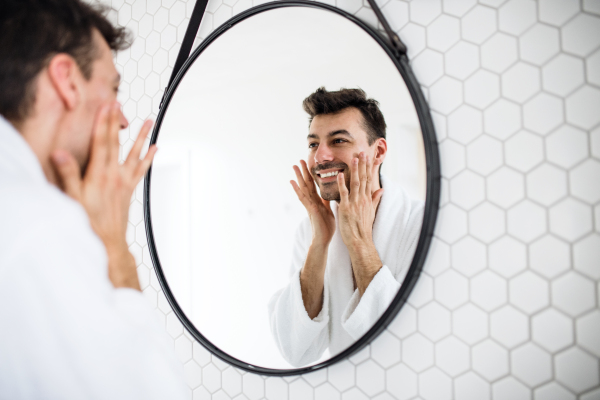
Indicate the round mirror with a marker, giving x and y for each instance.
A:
(250, 274)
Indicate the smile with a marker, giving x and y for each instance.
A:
(328, 174)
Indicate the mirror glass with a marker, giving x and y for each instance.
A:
(230, 232)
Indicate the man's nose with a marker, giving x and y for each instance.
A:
(323, 154)
(123, 121)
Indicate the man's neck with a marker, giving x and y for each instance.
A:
(40, 136)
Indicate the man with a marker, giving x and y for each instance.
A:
(74, 324)
(351, 255)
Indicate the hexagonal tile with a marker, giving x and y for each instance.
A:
(452, 224)
(582, 107)
(573, 294)
(543, 113)
(488, 290)
(428, 67)
(452, 356)
(507, 256)
(552, 330)
(526, 221)
(586, 254)
(451, 289)
(435, 385)
(326, 392)
(595, 142)
(510, 389)
(443, 33)
(253, 386)
(396, 13)
(425, 12)
(370, 378)
(539, 44)
(478, 24)
(482, 89)
(509, 326)
(277, 388)
(401, 382)
(581, 177)
(434, 321)
(577, 370)
(529, 292)
(505, 187)
(487, 222)
(299, 389)
(341, 375)
(546, 184)
(200, 354)
(470, 323)
(469, 256)
(414, 37)
(462, 60)
(385, 350)
(553, 391)
(531, 364)
(570, 219)
(502, 119)
(417, 352)
(549, 256)
(353, 394)
(465, 124)
(452, 157)
(438, 258)
(458, 8)
(467, 189)
(567, 146)
(231, 382)
(524, 151)
(581, 35)
(587, 330)
(211, 378)
(499, 52)
(593, 68)
(490, 360)
(471, 387)
(562, 75)
(422, 293)
(484, 155)
(445, 95)
(316, 378)
(557, 12)
(361, 356)
(516, 16)
(520, 82)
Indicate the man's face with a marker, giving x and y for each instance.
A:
(101, 88)
(333, 141)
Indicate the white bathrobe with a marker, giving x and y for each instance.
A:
(345, 316)
(65, 331)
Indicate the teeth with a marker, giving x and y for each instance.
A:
(327, 175)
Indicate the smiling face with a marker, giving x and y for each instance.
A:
(333, 141)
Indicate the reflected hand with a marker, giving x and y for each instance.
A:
(356, 213)
(319, 211)
(106, 189)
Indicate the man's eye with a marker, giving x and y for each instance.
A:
(337, 141)
(312, 145)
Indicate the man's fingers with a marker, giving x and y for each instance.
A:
(99, 148)
(143, 165)
(376, 198)
(114, 125)
(134, 153)
(354, 179)
(342, 187)
(363, 169)
(301, 196)
(301, 184)
(69, 173)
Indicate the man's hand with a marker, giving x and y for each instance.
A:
(319, 211)
(356, 213)
(322, 220)
(106, 189)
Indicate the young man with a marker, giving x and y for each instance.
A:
(74, 322)
(350, 256)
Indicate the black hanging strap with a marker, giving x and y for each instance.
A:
(398, 45)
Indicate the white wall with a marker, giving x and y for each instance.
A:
(507, 306)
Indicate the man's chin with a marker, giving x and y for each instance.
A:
(329, 193)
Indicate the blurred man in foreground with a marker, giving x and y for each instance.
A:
(74, 324)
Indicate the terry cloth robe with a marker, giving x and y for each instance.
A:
(65, 331)
(345, 316)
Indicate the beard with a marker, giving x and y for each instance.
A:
(330, 191)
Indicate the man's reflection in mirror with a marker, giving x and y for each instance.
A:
(353, 251)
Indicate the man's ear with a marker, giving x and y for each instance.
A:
(65, 76)
(381, 149)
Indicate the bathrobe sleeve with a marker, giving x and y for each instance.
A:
(361, 313)
(300, 340)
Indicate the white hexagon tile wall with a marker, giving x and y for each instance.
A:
(507, 306)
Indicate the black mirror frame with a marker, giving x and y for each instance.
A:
(401, 62)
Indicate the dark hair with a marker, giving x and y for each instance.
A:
(324, 102)
(34, 31)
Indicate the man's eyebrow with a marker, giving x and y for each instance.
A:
(330, 134)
